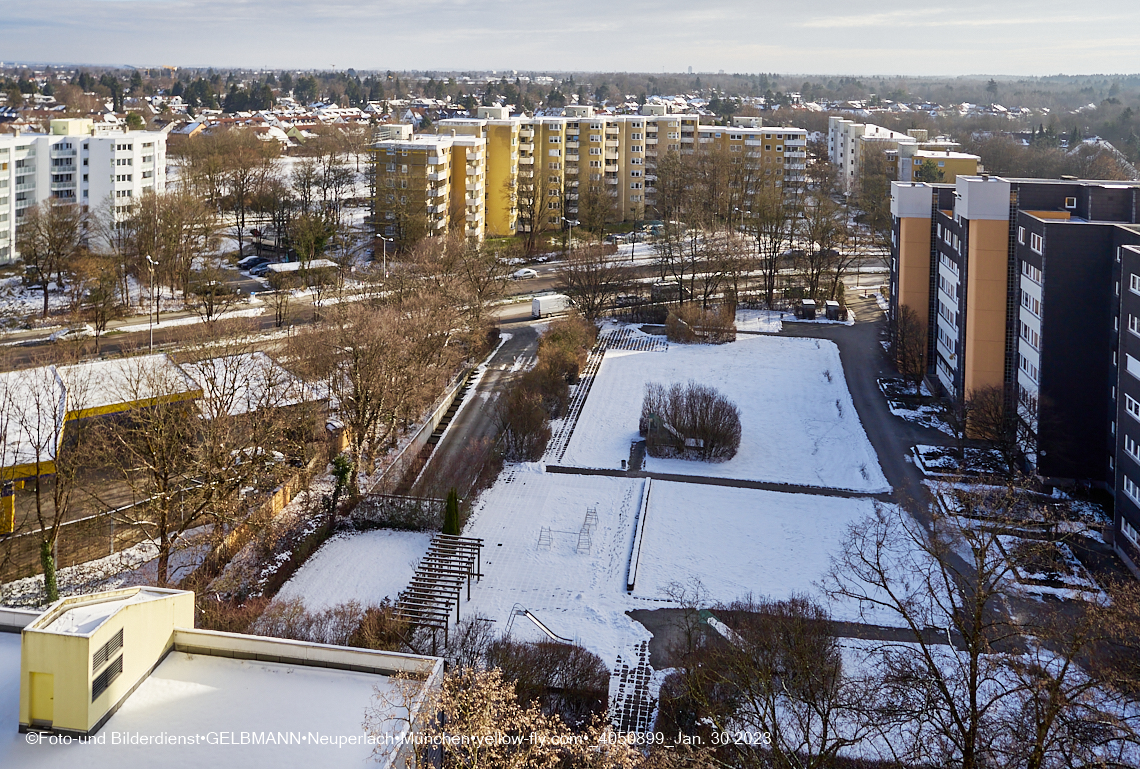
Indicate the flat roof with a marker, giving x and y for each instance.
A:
(196, 711)
(85, 618)
(33, 408)
(246, 382)
(111, 385)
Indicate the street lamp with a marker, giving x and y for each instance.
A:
(385, 242)
(154, 299)
(570, 237)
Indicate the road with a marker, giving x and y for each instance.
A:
(455, 463)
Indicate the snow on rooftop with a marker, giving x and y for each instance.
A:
(210, 711)
(105, 384)
(33, 406)
(84, 619)
(239, 384)
(799, 424)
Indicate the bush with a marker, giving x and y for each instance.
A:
(525, 429)
(381, 629)
(565, 680)
(689, 420)
(290, 619)
(689, 323)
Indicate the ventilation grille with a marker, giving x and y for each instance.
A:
(107, 650)
(104, 679)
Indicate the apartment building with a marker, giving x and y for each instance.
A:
(1033, 286)
(430, 182)
(73, 163)
(848, 142)
(557, 157)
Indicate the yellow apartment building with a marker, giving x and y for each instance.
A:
(430, 185)
(557, 158)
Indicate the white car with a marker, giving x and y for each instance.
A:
(524, 274)
(75, 332)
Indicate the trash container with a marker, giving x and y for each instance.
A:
(807, 309)
(831, 310)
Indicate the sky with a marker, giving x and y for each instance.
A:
(966, 37)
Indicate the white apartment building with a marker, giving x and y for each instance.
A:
(74, 164)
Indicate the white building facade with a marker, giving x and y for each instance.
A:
(73, 164)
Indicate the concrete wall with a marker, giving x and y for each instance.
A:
(986, 296)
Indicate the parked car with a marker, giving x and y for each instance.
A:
(524, 274)
(260, 270)
(75, 332)
(251, 261)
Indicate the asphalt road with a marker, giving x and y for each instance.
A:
(452, 462)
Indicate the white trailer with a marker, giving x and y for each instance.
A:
(550, 304)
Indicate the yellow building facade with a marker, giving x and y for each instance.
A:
(555, 159)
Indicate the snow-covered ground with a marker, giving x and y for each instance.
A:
(366, 567)
(762, 321)
(133, 566)
(799, 424)
(738, 542)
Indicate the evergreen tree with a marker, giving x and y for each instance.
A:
(451, 513)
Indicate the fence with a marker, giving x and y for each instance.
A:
(391, 511)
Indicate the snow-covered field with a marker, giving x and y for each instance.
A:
(577, 594)
(366, 567)
(799, 425)
(738, 542)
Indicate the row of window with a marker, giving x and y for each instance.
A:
(1028, 367)
(1031, 272)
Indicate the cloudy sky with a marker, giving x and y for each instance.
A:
(1014, 37)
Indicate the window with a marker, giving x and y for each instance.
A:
(635, 148)
(1134, 283)
(1070, 203)
(1131, 448)
(1129, 532)
(1029, 368)
(1031, 272)
(1036, 243)
(944, 260)
(1031, 303)
(635, 137)
(1021, 235)
(1031, 336)
(1132, 406)
(635, 186)
(947, 314)
(595, 164)
(1134, 324)
(949, 342)
(1131, 490)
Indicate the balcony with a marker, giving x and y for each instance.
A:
(473, 170)
(474, 217)
(611, 144)
(437, 176)
(526, 161)
(571, 158)
(473, 202)
(571, 146)
(435, 192)
(526, 147)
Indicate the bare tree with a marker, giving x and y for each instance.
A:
(908, 345)
(49, 236)
(993, 419)
(592, 278)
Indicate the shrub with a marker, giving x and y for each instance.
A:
(689, 323)
(525, 429)
(290, 619)
(565, 680)
(689, 420)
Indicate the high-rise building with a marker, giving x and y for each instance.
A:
(75, 164)
(849, 142)
(1033, 286)
(557, 158)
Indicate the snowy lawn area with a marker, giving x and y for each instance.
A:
(738, 542)
(578, 593)
(765, 321)
(366, 567)
(799, 425)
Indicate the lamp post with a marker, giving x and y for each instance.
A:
(385, 241)
(153, 299)
(570, 237)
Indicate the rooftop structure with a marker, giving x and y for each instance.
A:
(128, 662)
